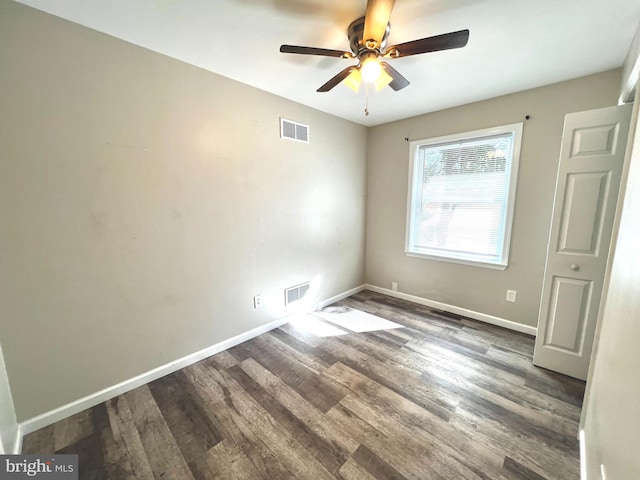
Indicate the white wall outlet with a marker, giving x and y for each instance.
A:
(511, 296)
(257, 301)
(394, 286)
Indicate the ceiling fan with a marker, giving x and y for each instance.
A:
(368, 39)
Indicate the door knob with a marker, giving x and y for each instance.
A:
(574, 267)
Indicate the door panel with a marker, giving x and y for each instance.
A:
(600, 140)
(588, 182)
(570, 301)
(581, 223)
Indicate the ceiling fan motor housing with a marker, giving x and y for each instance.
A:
(355, 32)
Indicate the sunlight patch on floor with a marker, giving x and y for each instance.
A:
(333, 321)
(355, 320)
(315, 326)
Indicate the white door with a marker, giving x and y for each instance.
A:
(591, 159)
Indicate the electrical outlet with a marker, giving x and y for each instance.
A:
(257, 301)
(511, 296)
(394, 286)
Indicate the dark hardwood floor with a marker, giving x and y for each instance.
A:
(443, 398)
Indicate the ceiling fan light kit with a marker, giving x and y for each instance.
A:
(367, 40)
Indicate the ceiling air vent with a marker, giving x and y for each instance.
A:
(294, 130)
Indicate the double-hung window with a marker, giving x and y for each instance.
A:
(461, 196)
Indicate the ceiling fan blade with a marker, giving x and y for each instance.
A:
(315, 51)
(337, 79)
(376, 19)
(398, 82)
(446, 41)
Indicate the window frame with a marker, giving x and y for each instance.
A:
(503, 262)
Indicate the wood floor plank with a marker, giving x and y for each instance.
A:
(437, 328)
(313, 418)
(395, 377)
(228, 461)
(193, 430)
(378, 404)
(298, 331)
(159, 444)
(552, 397)
(295, 369)
(90, 457)
(72, 429)
(520, 470)
(295, 345)
(116, 459)
(455, 361)
(311, 361)
(223, 360)
(99, 454)
(408, 456)
(550, 424)
(234, 427)
(494, 435)
(376, 466)
(409, 317)
(275, 437)
(480, 331)
(327, 453)
(570, 391)
(361, 430)
(443, 397)
(387, 336)
(413, 417)
(450, 364)
(321, 356)
(126, 437)
(351, 470)
(40, 441)
(508, 416)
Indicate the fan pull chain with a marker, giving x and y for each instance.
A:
(366, 101)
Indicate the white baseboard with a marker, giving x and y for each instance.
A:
(10, 441)
(16, 448)
(77, 406)
(583, 453)
(10, 438)
(483, 317)
(340, 296)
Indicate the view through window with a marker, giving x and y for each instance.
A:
(461, 196)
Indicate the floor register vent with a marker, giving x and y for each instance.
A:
(294, 130)
(293, 294)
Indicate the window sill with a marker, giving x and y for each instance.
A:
(461, 261)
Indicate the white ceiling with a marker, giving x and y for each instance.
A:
(513, 44)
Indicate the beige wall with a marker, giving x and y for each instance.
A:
(482, 290)
(612, 416)
(611, 411)
(143, 202)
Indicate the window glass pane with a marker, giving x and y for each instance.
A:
(461, 198)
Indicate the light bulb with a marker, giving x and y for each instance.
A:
(370, 70)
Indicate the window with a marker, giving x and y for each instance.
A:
(461, 196)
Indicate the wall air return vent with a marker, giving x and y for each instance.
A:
(293, 294)
(294, 130)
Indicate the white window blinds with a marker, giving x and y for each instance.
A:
(461, 196)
